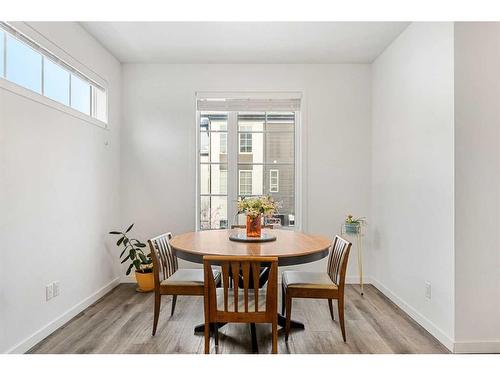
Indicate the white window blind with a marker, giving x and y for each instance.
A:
(248, 104)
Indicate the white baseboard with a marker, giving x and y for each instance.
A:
(474, 347)
(128, 279)
(415, 315)
(45, 331)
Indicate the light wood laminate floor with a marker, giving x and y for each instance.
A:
(121, 322)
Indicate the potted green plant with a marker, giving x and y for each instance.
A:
(143, 264)
(353, 225)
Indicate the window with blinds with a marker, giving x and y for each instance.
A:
(246, 148)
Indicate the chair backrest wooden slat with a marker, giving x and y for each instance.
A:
(246, 267)
(235, 268)
(255, 275)
(225, 283)
(337, 261)
(164, 260)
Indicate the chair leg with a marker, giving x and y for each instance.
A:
(330, 305)
(341, 316)
(207, 338)
(174, 300)
(288, 304)
(275, 337)
(215, 327)
(156, 312)
(283, 293)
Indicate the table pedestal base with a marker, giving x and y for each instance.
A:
(200, 328)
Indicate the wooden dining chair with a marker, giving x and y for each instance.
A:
(240, 305)
(324, 285)
(264, 271)
(169, 279)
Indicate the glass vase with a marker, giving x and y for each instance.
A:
(254, 227)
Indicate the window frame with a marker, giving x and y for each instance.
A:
(300, 160)
(27, 35)
(223, 172)
(250, 171)
(245, 133)
(221, 136)
(277, 184)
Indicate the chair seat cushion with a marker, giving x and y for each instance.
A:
(241, 300)
(186, 276)
(313, 280)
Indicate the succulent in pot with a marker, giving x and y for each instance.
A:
(353, 225)
(134, 253)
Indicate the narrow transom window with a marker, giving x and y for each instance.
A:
(33, 67)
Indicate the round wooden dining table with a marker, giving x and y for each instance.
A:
(290, 247)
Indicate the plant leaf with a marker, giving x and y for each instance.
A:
(140, 244)
(130, 227)
(123, 252)
(143, 258)
(125, 241)
(129, 269)
(119, 242)
(115, 232)
(124, 260)
(132, 254)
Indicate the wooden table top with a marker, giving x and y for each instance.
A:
(290, 247)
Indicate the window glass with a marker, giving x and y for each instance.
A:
(100, 105)
(246, 143)
(217, 180)
(223, 143)
(263, 163)
(213, 212)
(24, 65)
(55, 82)
(218, 147)
(274, 181)
(213, 170)
(246, 182)
(251, 121)
(80, 94)
(2, 51)
(223, 181)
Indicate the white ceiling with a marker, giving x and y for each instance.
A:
(245, 42)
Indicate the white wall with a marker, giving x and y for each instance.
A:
(58, 198)
(158, 142)
(477, 187)
(412, 175)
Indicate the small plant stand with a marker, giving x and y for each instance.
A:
(358, 240)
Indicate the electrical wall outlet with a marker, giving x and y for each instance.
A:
(428, 290)
(56, 288)
(49, 292)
